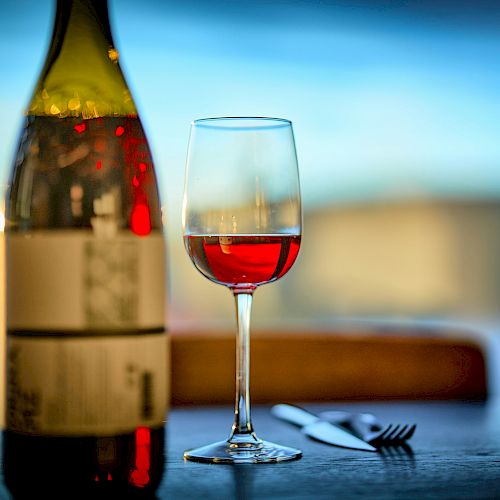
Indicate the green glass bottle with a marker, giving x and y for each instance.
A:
(87, 353)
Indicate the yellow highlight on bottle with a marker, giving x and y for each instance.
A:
(74, 104)
(113, 55)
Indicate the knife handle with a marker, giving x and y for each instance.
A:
(294, 414)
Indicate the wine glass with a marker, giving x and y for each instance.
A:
(242, 226)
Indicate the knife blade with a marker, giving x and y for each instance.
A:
(318, 429)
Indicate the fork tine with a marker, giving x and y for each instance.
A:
(410, 432)
(400, 435)
(381, 436)
(390, 437)
(397, 436)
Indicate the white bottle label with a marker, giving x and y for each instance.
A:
(71, 280)
(86, 386)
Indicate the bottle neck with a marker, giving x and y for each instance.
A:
(76, 21)
(81, 75)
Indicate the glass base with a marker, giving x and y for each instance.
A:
(227, 452)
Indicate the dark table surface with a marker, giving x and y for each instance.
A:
(455, 454)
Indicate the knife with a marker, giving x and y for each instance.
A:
(314, 427)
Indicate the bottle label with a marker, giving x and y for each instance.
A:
(86, 386)
(71, 281)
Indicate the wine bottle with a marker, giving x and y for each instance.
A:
(87, 353)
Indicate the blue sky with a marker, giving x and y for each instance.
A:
(389, 99)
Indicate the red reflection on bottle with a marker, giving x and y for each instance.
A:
(119, 131)
(98, 165)
(142, 166)
(135, 181)
(140, 221)
(80, 127)
(140, 475)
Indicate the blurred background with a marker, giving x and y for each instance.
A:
(395, 106)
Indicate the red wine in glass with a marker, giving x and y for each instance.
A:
(243, 261)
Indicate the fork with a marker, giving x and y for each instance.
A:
(367, 427)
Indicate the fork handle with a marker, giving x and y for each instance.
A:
(360, 424)
(363, 428)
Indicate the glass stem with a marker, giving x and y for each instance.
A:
(242, 431)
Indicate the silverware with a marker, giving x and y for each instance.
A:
(319, 429)
(368, 428)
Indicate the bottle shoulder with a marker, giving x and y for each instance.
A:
(83, 85)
